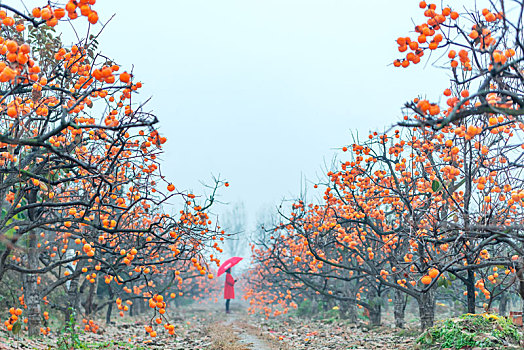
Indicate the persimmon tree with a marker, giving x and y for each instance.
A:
(484, 54)
(290, 273)
(483, 50)
(360, 230)
(440, 201)
(81, 187)
(270, 290)
(445, 201)
(408, 210)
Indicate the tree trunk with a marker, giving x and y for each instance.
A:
(503, 306)
(399, 306)
(471, 292)
(132, 310)
(348, 311)
(142, 304)
(375, 309)
(426, 306)
(375, 315)
(108, 313)
(520, 275)
(325, 304)
(109, 306)
(31, 296)
(72, 291)
(89, 306)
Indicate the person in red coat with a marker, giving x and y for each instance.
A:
(229, 289)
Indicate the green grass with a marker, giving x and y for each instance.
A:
(469, 331)
(110, 344)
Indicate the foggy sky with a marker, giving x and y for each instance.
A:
(264, 92)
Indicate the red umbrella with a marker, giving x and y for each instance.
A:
(229, 263)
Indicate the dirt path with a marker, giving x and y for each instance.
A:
(240, 331)
(251, 341)
(247, 333)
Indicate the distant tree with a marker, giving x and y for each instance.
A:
(234, 224)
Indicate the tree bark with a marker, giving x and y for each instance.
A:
(143, 305)
(348, 311)
(503, 305)
(399, 306)
(375, 315)
(109, 306)
(375, 309)
(31, 296)
(89, 306)
(426, 306)
(520, 275)
(72, 292)
(470, 286)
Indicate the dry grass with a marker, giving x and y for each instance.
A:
(223, 338)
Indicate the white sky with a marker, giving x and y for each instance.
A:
(263, 92)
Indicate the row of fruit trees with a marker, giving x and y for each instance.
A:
(432, 207)
(83, 224)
